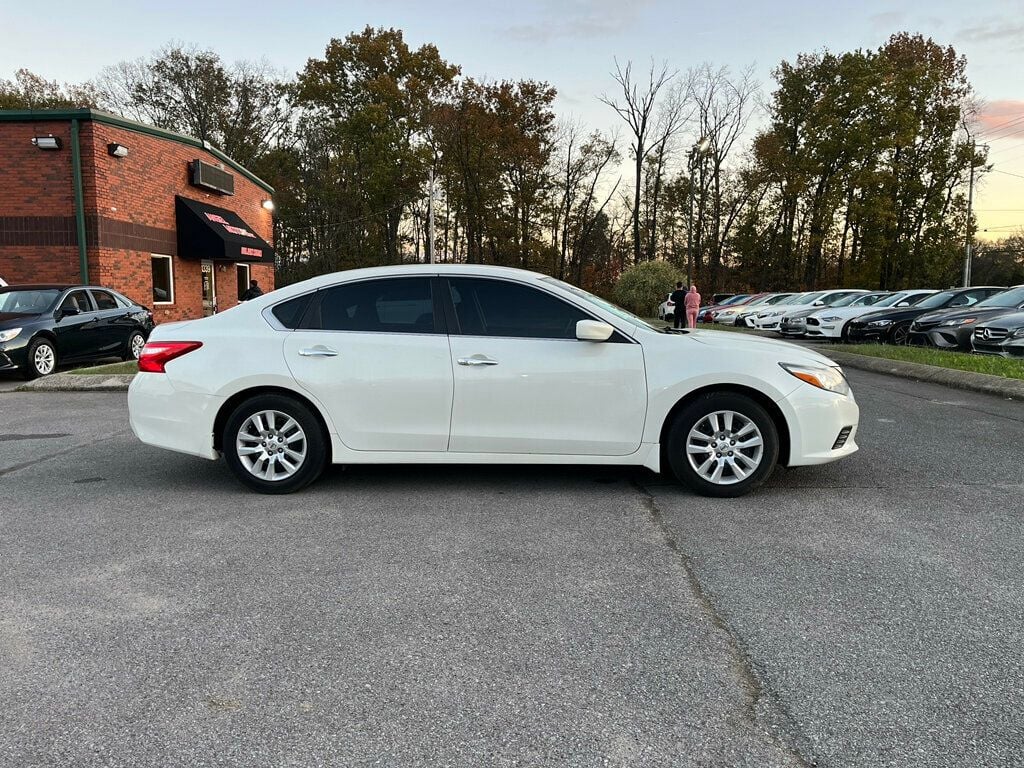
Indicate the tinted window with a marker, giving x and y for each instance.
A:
(104, 300)
(501, 308)
(163, 280)
(937, 300)
(289, 313)
(399, 305)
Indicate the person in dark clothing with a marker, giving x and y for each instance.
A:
(678, 297)
(253, 292)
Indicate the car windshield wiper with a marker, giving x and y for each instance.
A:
(684, 331)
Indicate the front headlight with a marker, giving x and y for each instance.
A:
(879, 323)
(830, 319)
(1018, 333)
(9, 334)
(830, 378)
(965, 321)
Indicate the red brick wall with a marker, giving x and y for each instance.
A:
(35, 182)
(137, 189)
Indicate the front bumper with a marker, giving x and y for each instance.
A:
(864, 333)
(162, 416)
(816, 418)
(1009, 347)
(14, 354)
(947, 337)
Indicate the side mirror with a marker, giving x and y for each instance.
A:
(818, 303)
(903, 304)
(67, 312)
(592, 330)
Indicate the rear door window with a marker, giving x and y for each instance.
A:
(392, 305)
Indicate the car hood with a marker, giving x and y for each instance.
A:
(1013, 320)
(740, 343)
(942, 315)
(896, 315)
(14, 319)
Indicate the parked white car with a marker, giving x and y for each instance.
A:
(830, 322)
(771, 319)
(667, 309)
(735, 315)
(471, 364)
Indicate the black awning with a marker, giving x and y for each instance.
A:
(208, 232)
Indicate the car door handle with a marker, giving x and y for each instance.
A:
(318, 351)
(476, 360)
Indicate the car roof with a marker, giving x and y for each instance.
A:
(43, 287)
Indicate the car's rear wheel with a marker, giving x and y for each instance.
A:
(274, 444)
(722, 444)
(42, 359)
(134, 347)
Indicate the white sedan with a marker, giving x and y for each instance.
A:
(472, 364)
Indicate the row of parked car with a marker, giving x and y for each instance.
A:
(988, 319)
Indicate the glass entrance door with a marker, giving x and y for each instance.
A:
(209, 289)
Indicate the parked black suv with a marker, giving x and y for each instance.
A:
(893, 325)
(42, 326)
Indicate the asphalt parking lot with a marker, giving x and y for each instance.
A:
(866, 613)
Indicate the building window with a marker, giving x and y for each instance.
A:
(163, 280)
(243, 279)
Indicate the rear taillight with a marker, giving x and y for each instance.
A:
(156, 354)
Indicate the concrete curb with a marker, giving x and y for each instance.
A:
(974, 382)
(70, 382)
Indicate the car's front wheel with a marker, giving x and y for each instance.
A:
(42, 359)
(274, 444)
(723, 444)
(900, 334)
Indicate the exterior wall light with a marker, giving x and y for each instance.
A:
(47, 142)
(268, 204)
(117, 150)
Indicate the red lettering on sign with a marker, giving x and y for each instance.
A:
(216, 218)
(252, 252)
(238, 231)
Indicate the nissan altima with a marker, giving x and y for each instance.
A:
(474, 364)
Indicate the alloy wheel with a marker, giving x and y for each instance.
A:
(271, 445)
(724, 447)
(44, 359)
(136, 345)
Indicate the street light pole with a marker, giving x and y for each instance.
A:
(430, 219)
(970, 233)
(695, 152)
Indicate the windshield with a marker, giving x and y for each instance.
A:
(867, 300)
(735, 300)
(780, 299)
(937, 300)
(895, 298)
(1011, 298)
(597, 301)
(848, 300)
(28, 302)
(810, 298)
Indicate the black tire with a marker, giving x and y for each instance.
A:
(844, 333)
(900, 334)
(130, 346)
(314, 443)
(33, 369)
(706, 405)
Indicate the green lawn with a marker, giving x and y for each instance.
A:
(961, 361)
(109, 368)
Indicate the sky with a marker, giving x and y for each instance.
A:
(571, 44)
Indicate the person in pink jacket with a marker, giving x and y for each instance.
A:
(692, 304)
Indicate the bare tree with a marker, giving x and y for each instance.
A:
(637, 107)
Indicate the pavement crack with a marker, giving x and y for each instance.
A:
(40, 459)
(765, 708)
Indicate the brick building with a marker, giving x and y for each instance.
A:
(165, 219)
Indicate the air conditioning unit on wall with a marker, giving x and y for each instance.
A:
(211, 177)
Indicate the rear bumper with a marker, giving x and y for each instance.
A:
(163, 417)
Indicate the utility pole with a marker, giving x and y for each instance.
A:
(689, 225)
(970, 232)
(430, 218)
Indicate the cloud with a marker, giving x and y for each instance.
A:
(887, 20)
(991, 30)
(997, 114)
(560, 19)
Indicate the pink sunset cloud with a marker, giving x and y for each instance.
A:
(996, 114)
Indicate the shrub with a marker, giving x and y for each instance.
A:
(643, 287)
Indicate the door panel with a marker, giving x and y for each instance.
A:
(376, 360)
(548, 396)
(114, 325)
(77, 335)
(525, 384)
